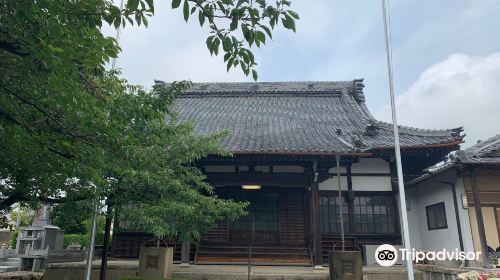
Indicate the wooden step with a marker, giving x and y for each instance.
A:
(254, 261)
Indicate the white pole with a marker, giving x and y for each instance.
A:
(94, 220)
(341, 202)
(90, 256)
(401, 186)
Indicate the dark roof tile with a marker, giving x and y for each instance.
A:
(296, 117)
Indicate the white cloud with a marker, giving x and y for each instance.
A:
(459, 91)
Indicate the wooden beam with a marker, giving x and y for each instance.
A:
(268, 179)
(316, 230)
(479, 217)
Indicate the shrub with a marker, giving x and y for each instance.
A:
(13, 239)
(81, 239)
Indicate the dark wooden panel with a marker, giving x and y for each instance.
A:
(292, 218)
(126, 245)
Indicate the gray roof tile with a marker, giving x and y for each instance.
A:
(487, 151)
(296, 117)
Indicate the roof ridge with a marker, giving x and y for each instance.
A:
(353, 87)
(273, 82)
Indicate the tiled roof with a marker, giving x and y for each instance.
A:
(484, 152)
(487, 151)
(296, 117)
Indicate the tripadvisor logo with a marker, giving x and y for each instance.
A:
(387, 255)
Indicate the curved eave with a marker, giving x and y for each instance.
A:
(424, 146)
(302, 154)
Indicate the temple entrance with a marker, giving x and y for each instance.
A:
(261, 225)
(276, 225)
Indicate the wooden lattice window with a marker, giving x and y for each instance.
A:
(330, 214)
(436, 216)
(374, 214)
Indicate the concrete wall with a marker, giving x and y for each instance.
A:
(430, 192)
(361, 179)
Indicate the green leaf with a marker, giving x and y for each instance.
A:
(132, 4)
(186, 10)
(176, 4)
(293, 14)
(201, 18)
(229, 64)
(215, 45)
(254, 75)
(267, 30)
(209, 43)
(227, 44)
(245, 56)
(234, 24)
(288, 22)
(246, 32)
(260, 36)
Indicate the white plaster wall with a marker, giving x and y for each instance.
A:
(362, 183)
(428, 193)
(413, 219)
(332, 185)
(371, 165)
(464, 217)
(371, 183)
(359, 183)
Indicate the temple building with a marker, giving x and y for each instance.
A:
(286, 139)
(457, 205)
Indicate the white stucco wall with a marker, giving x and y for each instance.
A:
(430, 192)
(413, 219)
(361, 181)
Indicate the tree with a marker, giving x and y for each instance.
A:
(70, 130)
(71, 216)
(57, 138)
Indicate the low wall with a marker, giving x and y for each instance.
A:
(64, 256)
(433, 272)
(71, 271)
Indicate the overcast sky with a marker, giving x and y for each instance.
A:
(446, 56)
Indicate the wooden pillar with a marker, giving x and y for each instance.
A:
(479, 216)
(316, 230)
(395, 193)
(350, 198)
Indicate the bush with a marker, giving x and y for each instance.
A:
(81, 239)
(13, 239)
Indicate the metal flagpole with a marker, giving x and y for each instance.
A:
(96, 209)
(341, 204)
(88, 271)
(402, 197)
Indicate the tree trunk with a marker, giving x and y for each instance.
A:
(107, 231)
